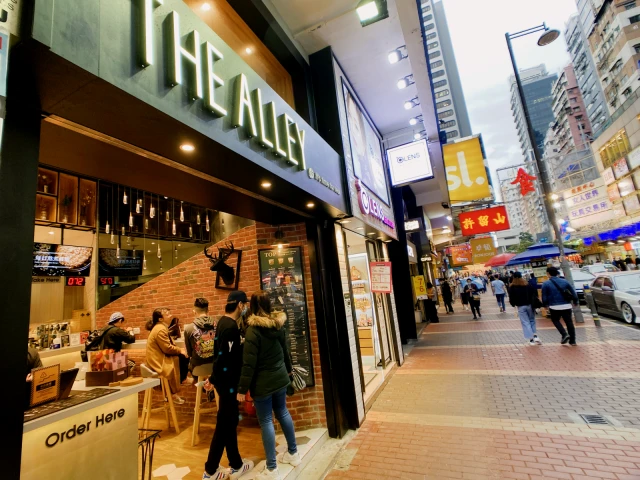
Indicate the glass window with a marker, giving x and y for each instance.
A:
(429, 27)
(445, 103)
(442, 93)
(449, 124)
(636, 47)
(437, 74)
(428, 18)
(598, 282)
(445, 114)
(434, 54)
(436, 64)
(426, 8)
(452, 134)
(628, 282)
(607, 282)
(634, 19)
(433, 45)
(431, 36)
(440, 83)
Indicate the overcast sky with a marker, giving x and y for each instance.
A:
(477, 30)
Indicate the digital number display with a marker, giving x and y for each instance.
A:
(76, 281)
(107, 281)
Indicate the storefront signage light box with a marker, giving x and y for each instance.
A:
(369, 206)
(412, 225)
(482, 221)
(409, 163)
(466, 172)
(61, 260)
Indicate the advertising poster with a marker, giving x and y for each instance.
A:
(409, 163)
(420, 287)
(482, 221)
(466, 173)
(620, 167)
(460, 254)
(613, 192)
(366, 151)
(631, 204)
(626, 187)
(61, 260)
(128, 264)
(45, 384)
(607, 176)
(281, 275)
(380, 277)
(482, 249)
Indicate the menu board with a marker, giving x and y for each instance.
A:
(380, 277)
(282, 277)
(127, 264)
(61, 260)
(539, 266)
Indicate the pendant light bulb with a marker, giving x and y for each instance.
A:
(159, 251)
(125, 200)
(146, 224)
(207, 222)
(167, 216)
(161, 265)
(123, 231)
(173, 228)
(128, 240)
(113, 238)
(175, 249)
(118, 251)
(131, 219)
(139, 206)
(152, 212)
(144, 262)
(107, 228)
(181, 213)
(198, 219)
(190, 231)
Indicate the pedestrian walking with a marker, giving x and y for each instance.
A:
(499, 290)
(227, 364)
(447, 296)
(464, 296)
(559, 295)
(431, 303)
(266, 372)
(474, 298)
(523, 296)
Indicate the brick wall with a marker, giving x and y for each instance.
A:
(178, 287)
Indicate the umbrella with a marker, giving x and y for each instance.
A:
(545, 250)
(499, 260)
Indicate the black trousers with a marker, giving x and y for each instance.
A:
(226, 434)
(565, 315)
(475, 307)
(432, 311)
(447, 304)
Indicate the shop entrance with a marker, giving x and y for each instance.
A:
(371, 310)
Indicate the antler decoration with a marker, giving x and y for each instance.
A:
(218, 264)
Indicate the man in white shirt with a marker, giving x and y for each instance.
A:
(499, 290)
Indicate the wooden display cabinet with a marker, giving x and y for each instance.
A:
(68, 199)
(47, 182)
(45, 208)
(87, 203)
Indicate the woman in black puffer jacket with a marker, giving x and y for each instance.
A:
(266, 372)
(522, 295)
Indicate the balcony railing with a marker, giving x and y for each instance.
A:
(623, 108)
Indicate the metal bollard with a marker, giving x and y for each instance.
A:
(592, 306)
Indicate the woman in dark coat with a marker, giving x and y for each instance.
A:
(266, 371)
(447, 296)
(472, 291)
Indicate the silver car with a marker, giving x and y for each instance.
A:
(618, 294)
(600, 268)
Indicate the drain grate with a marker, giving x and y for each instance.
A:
(595, 419)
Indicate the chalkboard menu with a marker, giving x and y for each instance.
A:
(281, 274)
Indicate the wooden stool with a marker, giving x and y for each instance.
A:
(200, 373)
(167, 404)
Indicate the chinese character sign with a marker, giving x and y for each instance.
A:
(483, 249)
(484, 221)
(525, 181)
(460, 254)
(466, 173)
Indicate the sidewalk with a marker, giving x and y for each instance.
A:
(473, 401)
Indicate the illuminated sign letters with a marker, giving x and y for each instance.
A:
(194, 67)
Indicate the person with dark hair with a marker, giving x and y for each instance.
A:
(430, 304)
(447, 296)
(162, 352)
(33, 361)
(266, 372)
(115, 335)
(471, 290)
(559, 295)
(522, 296)
(227, 362)
(499, 290)
(199, 335)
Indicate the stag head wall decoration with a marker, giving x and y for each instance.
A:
(230, 276)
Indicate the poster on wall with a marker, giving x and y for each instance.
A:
(51, 260)
(614, 193)
(127, 264)
(607, 176)
(620, 167)
(282, 277)
(380, 277)
(631, 204)
(366, 151)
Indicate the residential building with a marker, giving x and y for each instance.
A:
(571, 127)
(615, 44)
(536, 83)
(585, 68)
(447, 87)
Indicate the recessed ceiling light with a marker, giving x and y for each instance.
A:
(179, 245)
(153, 243)
(311, 205)
(248, 50)
(206, 6)
(51, 232)
(449, 217)
(413, 121)
(371, 233)
(344, 222)
(187, 147)
(265, 184)
(417, 136)
(408, 105)
(610, 243)
(360, 228)
(148, 251)
(367, 9)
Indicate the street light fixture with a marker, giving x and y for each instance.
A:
(547, 37)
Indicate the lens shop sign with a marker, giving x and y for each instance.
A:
(163, 53)
(84, 445)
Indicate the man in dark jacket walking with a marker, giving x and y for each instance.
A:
(227, 365)
(559, 295)
(199, 335)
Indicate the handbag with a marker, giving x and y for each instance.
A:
(297, 378)
(567, 294)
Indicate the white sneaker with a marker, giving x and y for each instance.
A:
(220, 474)
(293, 460)
(267, 474)
(247, 465)
(537, 340)
(532, 342)
(178, 400)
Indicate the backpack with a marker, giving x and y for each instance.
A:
(203, 342)
(94, 342)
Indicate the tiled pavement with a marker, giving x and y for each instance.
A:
(473, 401)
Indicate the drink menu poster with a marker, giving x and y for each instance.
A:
(282, 277)
(380, 277)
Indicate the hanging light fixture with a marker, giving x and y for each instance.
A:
(190, 231)
(128, 240)
(107, 228)
(113, 238)
(131, 219)
(152, 209)
(125, 199)
(175, 249)
(146, 224)
(124, 232)
(173, 228)
(198, 218)
(279, 243)
(159, 250)
(181, 213)
(207, 221)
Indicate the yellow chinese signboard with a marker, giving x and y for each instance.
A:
(420, 287)
(466, 173)
(483, 249)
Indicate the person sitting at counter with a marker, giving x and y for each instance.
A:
(115, 335)
(33, 361)
(162, 352)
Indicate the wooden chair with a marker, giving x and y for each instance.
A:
(167, 405)
(200, 373)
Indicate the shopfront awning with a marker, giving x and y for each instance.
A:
(540, 250)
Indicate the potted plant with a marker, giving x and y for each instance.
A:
(43, 209)
(65, 202)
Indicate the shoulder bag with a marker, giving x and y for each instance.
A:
(567, 294)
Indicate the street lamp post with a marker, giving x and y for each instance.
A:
(547, 37)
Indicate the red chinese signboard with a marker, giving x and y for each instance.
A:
(525, 180)
(484, 221)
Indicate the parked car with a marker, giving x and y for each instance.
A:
(600, 268)
(580, 278)
(618, 294)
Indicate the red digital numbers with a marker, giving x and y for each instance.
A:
(107, 281)
(76, 281)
